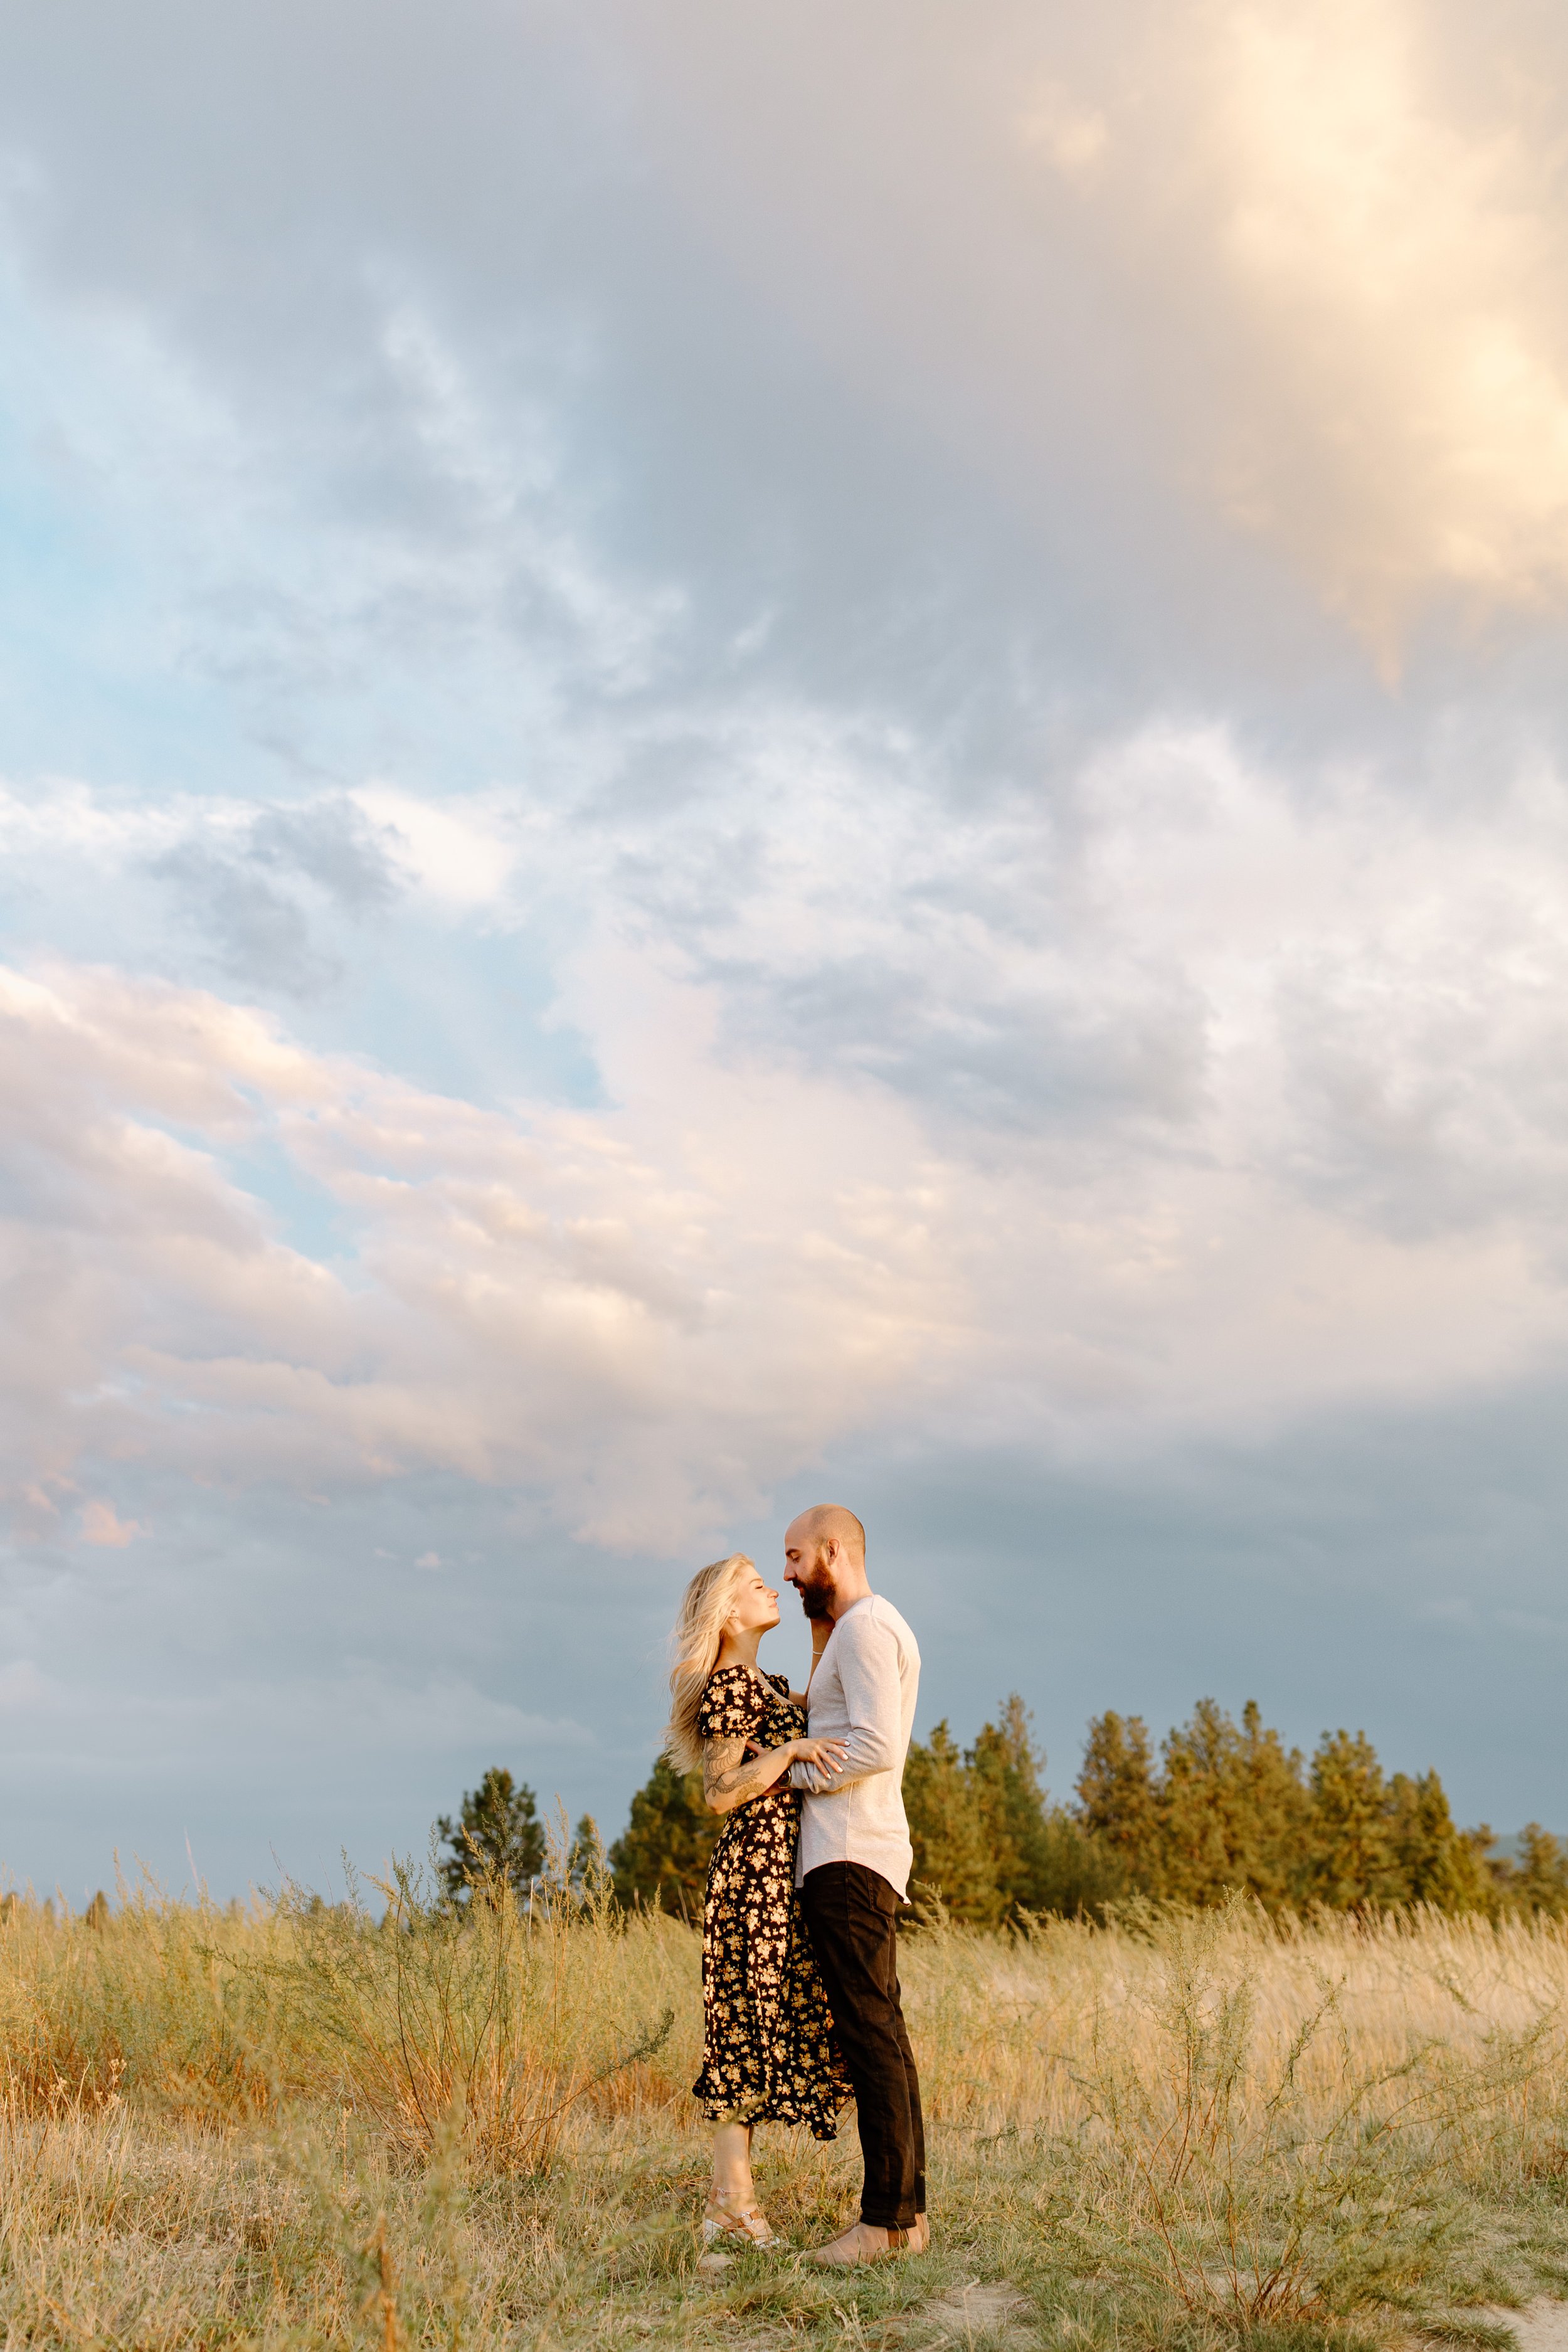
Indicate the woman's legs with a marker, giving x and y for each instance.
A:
(732, 2209)
(732, 2184)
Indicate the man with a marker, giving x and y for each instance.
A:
(853, 1865)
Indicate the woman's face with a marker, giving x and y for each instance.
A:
(755, 1606)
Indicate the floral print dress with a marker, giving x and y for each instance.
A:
(769, 2052)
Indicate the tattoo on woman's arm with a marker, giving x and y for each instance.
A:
(727, 1775)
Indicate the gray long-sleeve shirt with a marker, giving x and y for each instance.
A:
(862, 1693)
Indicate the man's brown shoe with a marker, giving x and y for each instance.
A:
(867, 2242)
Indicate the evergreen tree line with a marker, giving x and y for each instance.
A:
(1222, 1805)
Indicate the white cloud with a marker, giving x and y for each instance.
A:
(463, 853)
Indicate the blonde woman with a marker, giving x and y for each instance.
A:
(769, 2054)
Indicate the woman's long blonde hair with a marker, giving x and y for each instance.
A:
(693, 1647)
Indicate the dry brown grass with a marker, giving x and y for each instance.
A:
(298, 2128)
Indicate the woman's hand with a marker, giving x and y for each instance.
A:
(827, 1755)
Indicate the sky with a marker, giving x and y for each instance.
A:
(761, 756)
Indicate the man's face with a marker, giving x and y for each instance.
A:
(808, 1566)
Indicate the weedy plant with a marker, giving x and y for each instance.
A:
(506, 2012)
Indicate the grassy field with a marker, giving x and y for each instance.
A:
(301, 2127)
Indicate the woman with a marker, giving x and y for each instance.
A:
(768, 2048)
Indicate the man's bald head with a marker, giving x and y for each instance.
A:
(825, 1559)
(825, 1519)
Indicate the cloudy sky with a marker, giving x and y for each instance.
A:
(764, 754)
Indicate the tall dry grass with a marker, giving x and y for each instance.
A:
(392, 2126)
(1270, 2123)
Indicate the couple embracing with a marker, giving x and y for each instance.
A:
(800, 1984)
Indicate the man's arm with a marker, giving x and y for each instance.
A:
(868, 1656)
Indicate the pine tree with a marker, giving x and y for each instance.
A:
(1353, 1860)
(496, 1832)
(1005, 1766)
(1196, 1808)
(588, 1864)
(1117, 1800)
(949, 1832)
(1076, 1875)
(1275, 1809)
(1538, 1881)
(1433, 1862)
(1044, 1859)
(1233, 1809)
(662, 1857)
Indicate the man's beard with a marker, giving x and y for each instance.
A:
(814, 1598)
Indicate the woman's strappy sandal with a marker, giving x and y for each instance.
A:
(725, 2225)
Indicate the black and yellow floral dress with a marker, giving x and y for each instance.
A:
(769, 2052)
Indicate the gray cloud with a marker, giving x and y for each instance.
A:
(262, 936)
(979, 1064)
(241, 890)
(330, 844)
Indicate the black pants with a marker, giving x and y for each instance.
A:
(851, 1913)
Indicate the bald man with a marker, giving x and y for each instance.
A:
(853, 1864)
